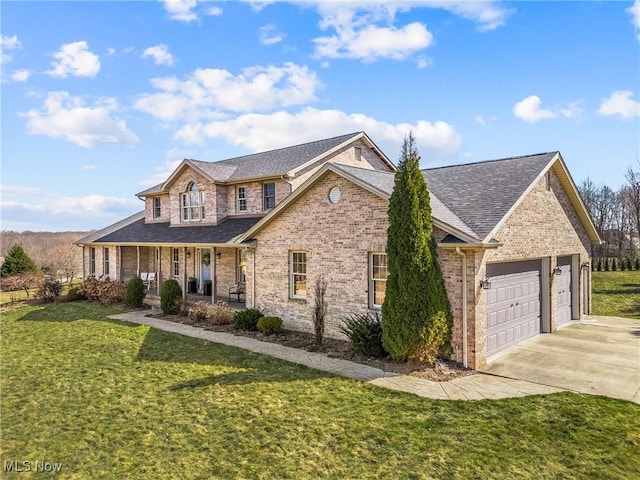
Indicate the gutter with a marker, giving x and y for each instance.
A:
(464, 307)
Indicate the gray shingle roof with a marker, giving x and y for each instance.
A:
(279, 161)
(140, 232)
(384, 182)
(481, 194)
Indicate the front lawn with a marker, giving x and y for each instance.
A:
(114, 400)
(616, 294)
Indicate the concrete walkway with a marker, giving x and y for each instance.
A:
(472, 387)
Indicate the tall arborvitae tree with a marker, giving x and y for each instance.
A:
(416, 315)
(17, 261)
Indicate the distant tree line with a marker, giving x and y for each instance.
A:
(53, 253)
(616, 215)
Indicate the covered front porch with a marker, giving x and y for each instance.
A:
(204, 272)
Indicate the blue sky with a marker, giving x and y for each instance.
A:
(103, 99)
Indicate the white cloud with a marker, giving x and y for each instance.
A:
(111, 51)
(208, 92)
(620, 103)
(160, 54)
(8, 43)
(359, 35)
(21, 75)
(75, 59)
(269, 35)
(489, 15)
(574, 111)
(529, 110)
(88, 167)
(163, 171)
(64, 116)
(423, 62)
(369, 30)
(213, 11)
(181, 9)
(29, 208)
(634, 11)
(258, 132)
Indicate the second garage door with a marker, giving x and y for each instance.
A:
(513, 303)
(563, 287)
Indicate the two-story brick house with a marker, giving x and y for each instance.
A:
(513, 237)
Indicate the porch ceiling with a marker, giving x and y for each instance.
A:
(140, 232)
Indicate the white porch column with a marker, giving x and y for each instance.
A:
(138, 260)
(214, 275)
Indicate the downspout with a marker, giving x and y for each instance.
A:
(464, 307)
(253, 280)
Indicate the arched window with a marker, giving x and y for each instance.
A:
(192, 204)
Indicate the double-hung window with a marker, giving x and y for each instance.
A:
(268, 196)
(192, 206)
(242, 266)
(92, 260)
(378, 273)
(156, 207)
(242, 199)
(176, 262)
(105, 261)
(298, 274)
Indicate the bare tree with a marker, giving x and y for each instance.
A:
(633, 198)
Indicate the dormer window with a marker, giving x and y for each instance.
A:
(192, 204)
(156, 207)
(268, 196)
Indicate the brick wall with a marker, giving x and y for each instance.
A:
(336, 238)
(543, 226)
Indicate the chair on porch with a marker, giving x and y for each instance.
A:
(148, 278)
(238, 289)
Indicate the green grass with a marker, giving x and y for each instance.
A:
(115, 400)
(21, 295)
(616, 294)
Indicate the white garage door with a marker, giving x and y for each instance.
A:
(513, 303)
(563, 289)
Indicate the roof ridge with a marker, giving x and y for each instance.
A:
(262, 152)
(490, 161)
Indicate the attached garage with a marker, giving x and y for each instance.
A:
(513, 303)
(563, 289)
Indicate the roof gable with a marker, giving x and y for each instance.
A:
(482, 194)
(272, 163)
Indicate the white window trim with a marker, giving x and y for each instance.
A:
(92, 260)
(157, 213)
(106, 267)
(239, 199)
(372, 280)
(292, 275)
(186, 206)
(175, 259)
(264, 197)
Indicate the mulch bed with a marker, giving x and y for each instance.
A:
(441, 371)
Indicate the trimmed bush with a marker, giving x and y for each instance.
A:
(135, 292)
(104, 290)
(170, 297)
(198, 312)
(247, 319)
(364, 330)
(74, 294)
(218, 314)
(49, 289)
(269, 325)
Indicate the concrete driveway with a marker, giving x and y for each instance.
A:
(597, 355)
